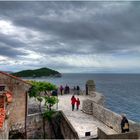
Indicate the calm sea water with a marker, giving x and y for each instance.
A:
(121, 91)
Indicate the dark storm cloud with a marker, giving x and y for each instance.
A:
(10, 47)
(11, 41)
(105, 30)
(65, 28)
(10, 52)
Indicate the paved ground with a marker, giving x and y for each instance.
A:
(80, 121)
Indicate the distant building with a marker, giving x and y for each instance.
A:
(13, 104)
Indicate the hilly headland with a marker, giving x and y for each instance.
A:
(37, 73)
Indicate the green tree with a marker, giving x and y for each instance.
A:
(36, 91)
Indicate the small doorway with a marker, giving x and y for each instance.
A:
(16, 135)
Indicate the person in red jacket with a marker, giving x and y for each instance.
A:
(73, 101)
(77, 103)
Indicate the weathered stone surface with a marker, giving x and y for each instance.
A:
(59, 127)
(4, 132)
(87, 103)
(80, 121)
(34, 126)
(111, 118)
(90, 87)
(87, 106)
(16, 109)
(129, 135)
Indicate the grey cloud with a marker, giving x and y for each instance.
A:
(113, 31)
(74, 27)
(10, 46)
(10, 52)
(11, 41)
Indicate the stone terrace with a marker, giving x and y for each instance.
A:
(80, 121)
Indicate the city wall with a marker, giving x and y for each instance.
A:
(59, 128)
(4, 132)
(106, 116)
(129, 135)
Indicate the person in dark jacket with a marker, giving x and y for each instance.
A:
(124, 124)
(78, 90)
(61, 89)
(77, 103)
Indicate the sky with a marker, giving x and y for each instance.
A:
(70, 36)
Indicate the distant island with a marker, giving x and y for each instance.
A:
(37, 73)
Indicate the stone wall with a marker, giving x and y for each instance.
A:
(67, 129)
(129, 135)
(90, 87)
(4, 132)
(108, 117)
(60, 127)
(35, 126)
(87, 104)
(17, 109)
(111, 118)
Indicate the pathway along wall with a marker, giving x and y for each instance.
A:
(107, 116)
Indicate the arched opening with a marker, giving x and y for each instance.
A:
(16, 135)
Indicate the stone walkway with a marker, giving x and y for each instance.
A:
(80, 121)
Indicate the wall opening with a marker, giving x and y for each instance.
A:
(16, 135)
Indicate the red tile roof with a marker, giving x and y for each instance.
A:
(17, 78)
(2, 117)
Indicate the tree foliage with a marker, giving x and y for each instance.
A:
(38, 87)
(36, 90)
(50, 101)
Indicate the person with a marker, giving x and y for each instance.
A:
(54, 93)
(61, 89)
(74, 90)
(66, 89)
(78, 90)
(73, 101)
(124, 124)
(77, 103)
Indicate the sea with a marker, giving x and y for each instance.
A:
(121, 91)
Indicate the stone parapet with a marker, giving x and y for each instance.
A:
(111, 118)
(129, 135)
(59, 127)
(90, 87)
(87, 107)
(4, 132)
(94, 106)
(87, 104)
(67, 129)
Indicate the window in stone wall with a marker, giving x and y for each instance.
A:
(1, 101)
(2, 87)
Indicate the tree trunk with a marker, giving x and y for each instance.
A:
(43, 120)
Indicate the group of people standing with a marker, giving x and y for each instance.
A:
(64, 90)
(76, 90)
(74, 102)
